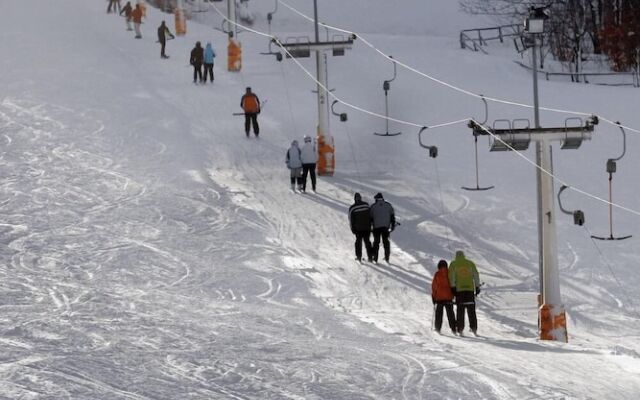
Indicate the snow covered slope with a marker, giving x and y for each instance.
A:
(150, 251)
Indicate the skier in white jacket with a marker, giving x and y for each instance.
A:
(309, 155)
(294, 163)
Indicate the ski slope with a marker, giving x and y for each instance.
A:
(150, 251)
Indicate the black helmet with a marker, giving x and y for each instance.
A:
(378, 196)
(442, 264)
(357, 197)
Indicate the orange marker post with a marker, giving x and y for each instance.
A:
(234, 56)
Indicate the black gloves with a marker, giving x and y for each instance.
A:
(433, 300)
(453, 290)
(478, 290)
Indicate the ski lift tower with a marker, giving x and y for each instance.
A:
(302, 48)
(516, 135)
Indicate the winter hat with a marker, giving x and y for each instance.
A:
(307, 138)
(442, 264)
(357, 197)
(378, 196)
(294, 143)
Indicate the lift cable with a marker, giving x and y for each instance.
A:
(443, 83)
(632, 211)
(544, 171)
(331, 94)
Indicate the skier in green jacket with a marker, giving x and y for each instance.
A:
(465, 284)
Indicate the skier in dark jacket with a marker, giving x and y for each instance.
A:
(127, 10)
(197, 57)
(163, 31)
(383, 220)
(112, 4)
(360, 222)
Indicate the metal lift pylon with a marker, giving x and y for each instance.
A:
(552, 316)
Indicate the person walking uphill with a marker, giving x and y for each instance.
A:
(196, 59)
(163, 31)
(294, 163)
(136, 16)
(309, 160)
(112, 4)
(250, 103)
(383, 220)
(128, 11)
(360, 222)
(442, 297)
(465, 284)
(209, 56)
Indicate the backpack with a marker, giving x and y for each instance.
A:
(250, 103)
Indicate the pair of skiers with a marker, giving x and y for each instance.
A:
(302, 162)
(460, 281)
(200, 56)
(379, 218)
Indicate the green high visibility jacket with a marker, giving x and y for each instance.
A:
(463, 274)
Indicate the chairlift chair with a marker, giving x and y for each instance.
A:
(475, 139)
(611, 169)
(271, 52)
(386, 86)
(433, 150)
(578, 215)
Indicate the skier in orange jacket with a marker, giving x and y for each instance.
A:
(442, 297)
(251, 106)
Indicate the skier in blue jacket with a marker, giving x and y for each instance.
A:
(209, 56)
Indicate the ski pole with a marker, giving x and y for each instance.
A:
(433, 316)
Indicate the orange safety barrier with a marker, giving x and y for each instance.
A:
(326, 156)
(181, 22)
(234, 56)
(553, 323)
